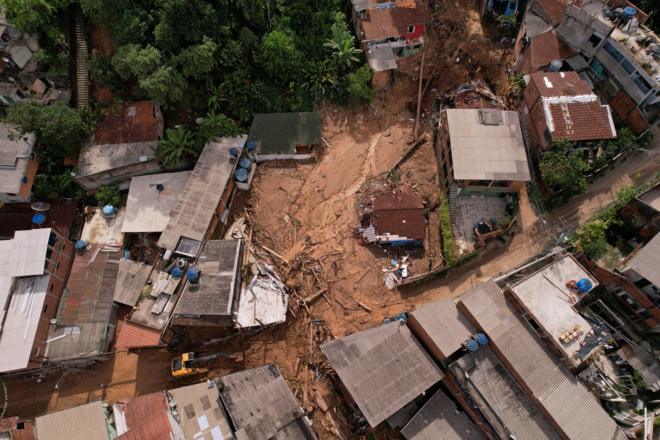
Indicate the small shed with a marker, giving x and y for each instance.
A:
(285, 135)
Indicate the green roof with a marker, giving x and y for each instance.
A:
(279, 133)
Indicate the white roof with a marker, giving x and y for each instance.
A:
(101, 230)
(25, 254)
(487, 144)
(149, 210)
(15, 155)
(546, 297)
(646, 261)
(263, 302)
(20, 325)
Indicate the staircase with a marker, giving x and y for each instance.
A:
(454, 209)
(80, 56)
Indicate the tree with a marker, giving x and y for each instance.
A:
(591, 240)
(32, 16)
(216, 125)
(60, 130)
(562, 173)
(183, 23)
(108, 195)
(359, 84)
(198, 61)
(342, 44)
(165, 85)
(57, 186)
(178, 144)
(279, 55)
(135, 61)
(321, 80)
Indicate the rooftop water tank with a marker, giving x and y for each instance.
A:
(584, 285)
(555, 65)
(245, 163)
(39, 219)
(109, 210)
(176, 272)
(233, 152)
(80, 245)
(193, 275)
(481, 339)
(241, 174)
(251, 145)
(629, 11)
(471, 345)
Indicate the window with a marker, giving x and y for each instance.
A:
(613, 51)
(642, 84)
(57, 266)
(51, 287)
(627, 66)
(45, 307)
(411, 29)
(594, 40)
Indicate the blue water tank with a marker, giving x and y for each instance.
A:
(109, 210)
(241, 174)
(471, 345)
(193, 275)
(233, 152)
(584, 285)
(629, 11)
(245, 163)
(251, 145)
(39, 219)
(176, 272)
(80, 245)
(481, 339)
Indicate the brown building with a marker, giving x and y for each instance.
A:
(36, 265)
(396, 218)
(562, 106)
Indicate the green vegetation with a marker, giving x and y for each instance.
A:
(108, 195)
(563, 171)
(446, 233)
(177, 145)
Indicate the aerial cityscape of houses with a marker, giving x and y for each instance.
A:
(159, 251)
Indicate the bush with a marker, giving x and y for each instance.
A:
(216, 125)
(108, 195)
(591, 240)
(358, 85)
(446, 233)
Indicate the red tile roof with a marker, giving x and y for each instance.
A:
(155, 427)
(132, 335)
(90, 288)
(139, 409)
(400, 213)
(543, 49)
(392, 22)
(581, 121)
(552, 10)
(136, 122)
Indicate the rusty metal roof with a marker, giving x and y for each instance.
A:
(134, 122)
(572, 409)
(383, 368)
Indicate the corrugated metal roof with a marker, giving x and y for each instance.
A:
(25, 254)
(200, 198)
(439, 419)
(154, 427)
(94, 159)
(86, 422)
(279, 133)
(134, 335)
(651, 197)
(443, 325)
(136, 122)
(148, 209)
(574, 410)
(487, 151)
(261, 405)
(383, 368)
(216, 292)
(646, 261)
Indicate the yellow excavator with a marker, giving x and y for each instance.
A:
(189, 363)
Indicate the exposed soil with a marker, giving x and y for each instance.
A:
(307, 215)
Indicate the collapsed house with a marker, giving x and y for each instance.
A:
(285, 136)
(393, 217)
(122, 146)
(389, 31)
(18, 165)
(560, 106)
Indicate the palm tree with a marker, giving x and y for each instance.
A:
(342, 45)
(177, 144)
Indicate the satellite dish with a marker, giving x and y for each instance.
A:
(40, 206)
